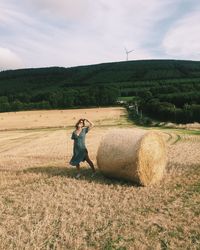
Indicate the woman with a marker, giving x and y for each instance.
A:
(80, 152)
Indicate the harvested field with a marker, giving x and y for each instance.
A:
(61, 118)
(43, 205)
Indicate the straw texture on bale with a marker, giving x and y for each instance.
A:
(132, 154)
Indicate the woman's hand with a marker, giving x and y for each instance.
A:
(91, 124)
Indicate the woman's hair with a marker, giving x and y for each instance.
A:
(83, 120)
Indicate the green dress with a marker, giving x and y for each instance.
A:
(79, 150)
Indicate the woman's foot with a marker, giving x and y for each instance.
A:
(93, 174)
(78, 175)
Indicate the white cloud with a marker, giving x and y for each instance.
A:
(183, 39)
(9, 60)
(63, 8)
(69, 33)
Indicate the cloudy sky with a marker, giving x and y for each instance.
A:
(40, 33)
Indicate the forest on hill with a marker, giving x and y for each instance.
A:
(167, 90)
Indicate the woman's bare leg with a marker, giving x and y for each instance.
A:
(78, 167)
(87, 158)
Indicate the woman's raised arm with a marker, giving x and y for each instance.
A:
(91, 124)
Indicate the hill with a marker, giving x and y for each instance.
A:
(119, 72)
(172, 83)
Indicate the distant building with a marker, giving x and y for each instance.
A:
(121, 102)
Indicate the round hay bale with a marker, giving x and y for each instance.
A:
(132, 154)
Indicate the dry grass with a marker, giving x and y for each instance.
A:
(189, 126)
(61, 118)
(43, 206)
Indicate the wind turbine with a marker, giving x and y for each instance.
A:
(127, 52)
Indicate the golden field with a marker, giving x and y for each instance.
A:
(59, 118)
(43, 205)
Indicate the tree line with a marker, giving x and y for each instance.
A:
(177, 107)
(101, 95)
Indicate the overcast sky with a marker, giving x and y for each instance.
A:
(40, 33)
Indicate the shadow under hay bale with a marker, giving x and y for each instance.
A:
(72, 172)
(135, 155)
